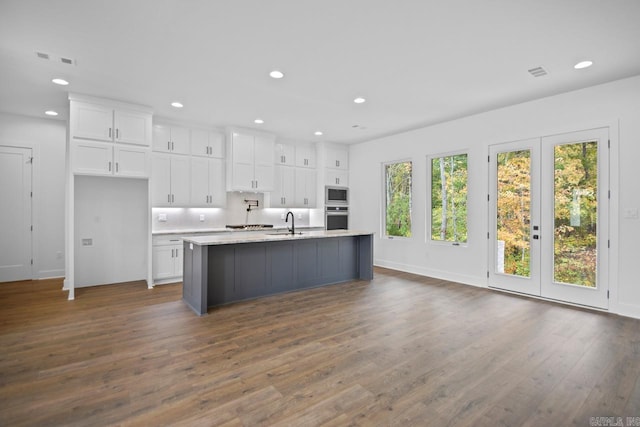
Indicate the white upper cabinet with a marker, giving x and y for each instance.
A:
(171, 139)
(170, 178)
(208, 182)
(250, 162)
(336, 177)
(285, 154)
(305, 188)
(207, 143)
(306, 155)
(283, 196)
(106, 123)
(337, 157)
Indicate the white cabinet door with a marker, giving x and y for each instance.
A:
(264, 167)
(160, 179)
(161, 138)
(207, 144)
(178, 260)
(306, 156)
(283, 194)
(180, 180)
(130, 161)
(337, 158)
(217, 187)
(163, 262)
(305, 188)
(216, 145)
(336, 177)
(89, 121)
(92, 158)
(199, 181)
(132, 127)
(242, 177)
(171, 139)
(180, 140)
(284, 154)
(200, 143)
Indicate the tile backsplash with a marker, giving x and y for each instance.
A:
(234, 213)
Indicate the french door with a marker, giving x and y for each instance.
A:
(549, 216)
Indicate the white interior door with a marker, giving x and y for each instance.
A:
(15, 216)
(549, 216)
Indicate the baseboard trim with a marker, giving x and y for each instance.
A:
(436, 274)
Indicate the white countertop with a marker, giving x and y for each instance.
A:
(224, 230)
(266, 236)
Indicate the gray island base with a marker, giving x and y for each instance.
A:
(223, 269)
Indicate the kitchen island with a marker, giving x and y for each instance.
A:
(226, 268)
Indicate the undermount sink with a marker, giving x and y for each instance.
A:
(299, 233)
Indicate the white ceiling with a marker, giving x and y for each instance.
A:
(417, 62)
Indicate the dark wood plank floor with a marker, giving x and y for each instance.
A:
(400, 350)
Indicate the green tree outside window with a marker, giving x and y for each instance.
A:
(398, 199)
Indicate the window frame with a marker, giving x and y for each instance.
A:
(429, 207)
(383, 199)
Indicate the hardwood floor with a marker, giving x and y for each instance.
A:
(400, 350)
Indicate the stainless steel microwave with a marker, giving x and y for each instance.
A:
(336, 195)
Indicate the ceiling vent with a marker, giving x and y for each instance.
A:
(538, 72)
(55, 58)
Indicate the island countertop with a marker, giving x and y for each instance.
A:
(265, 236)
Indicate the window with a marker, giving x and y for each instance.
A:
(449, 198)
(397, 182)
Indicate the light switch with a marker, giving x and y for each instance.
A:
(162, 217)
(631, 213)
(87, 242)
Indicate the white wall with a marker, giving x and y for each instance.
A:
(614, 104)
(46, 137)
(112, 212)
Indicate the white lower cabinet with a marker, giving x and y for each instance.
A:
(167, 259)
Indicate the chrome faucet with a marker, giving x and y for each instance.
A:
(293, 223)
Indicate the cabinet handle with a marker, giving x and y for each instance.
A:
(109, 132)
(172, 146)
(208, 150)
(168, 145)
(337, 163)
(284, 159)
(172, 253)
(109, 166)
(306, 201)
(117, 167)
(172, 198)
(117, 133)
(168, 198)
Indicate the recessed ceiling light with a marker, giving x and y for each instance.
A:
(359, 100)
(317, 133)
(51, 113)
(177, 104)
(61, 82)
(276, 74)
(583, 64)
(258, 121)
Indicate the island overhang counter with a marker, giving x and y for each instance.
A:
(220, 269)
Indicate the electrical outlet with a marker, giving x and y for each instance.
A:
(299, 216)
(162, 217)
(87, 242)
(58, 255)
(281, 216)
(201, 217)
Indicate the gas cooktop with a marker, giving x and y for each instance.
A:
(250, 226)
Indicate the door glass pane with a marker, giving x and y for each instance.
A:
(575, 213)
(513, 208)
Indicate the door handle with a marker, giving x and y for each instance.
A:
(536, 237)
